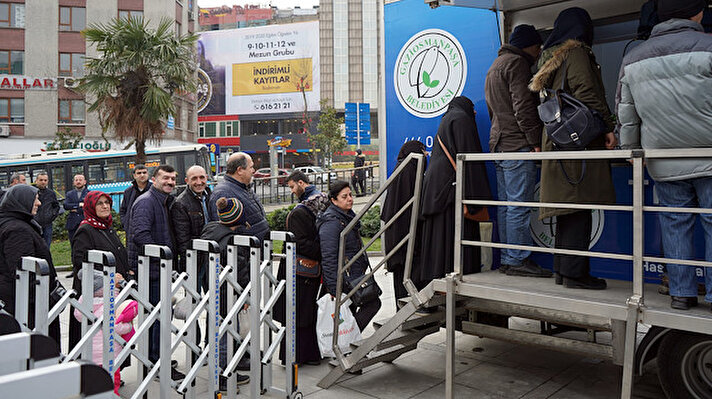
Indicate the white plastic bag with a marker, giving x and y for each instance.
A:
(348, 329)
(243, 318)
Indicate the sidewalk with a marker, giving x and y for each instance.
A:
(485, 368)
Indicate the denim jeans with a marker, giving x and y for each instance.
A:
(515, 182)
(678, 231)
(47, 235)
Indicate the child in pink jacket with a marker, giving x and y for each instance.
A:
(123, 324)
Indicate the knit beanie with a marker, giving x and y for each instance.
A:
(98, 279)
(524, 36)
(682, 9)
(229, 210)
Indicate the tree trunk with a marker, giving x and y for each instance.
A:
(140, 152)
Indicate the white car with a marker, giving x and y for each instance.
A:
(317, 174)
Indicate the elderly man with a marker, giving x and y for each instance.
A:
(663, 101)
(190, 214)
(236, 184)
(15, 178)
(49, 210)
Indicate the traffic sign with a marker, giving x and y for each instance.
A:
(357, 123)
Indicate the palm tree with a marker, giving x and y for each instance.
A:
(132, 83)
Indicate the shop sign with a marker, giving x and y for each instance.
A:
(279, 142)
(19, 82)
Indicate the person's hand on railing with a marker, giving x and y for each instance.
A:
(611, 141)
(536, 149)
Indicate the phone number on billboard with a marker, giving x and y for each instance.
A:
(271, 106)
(269, 45)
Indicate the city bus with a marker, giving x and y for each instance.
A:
(108, 171)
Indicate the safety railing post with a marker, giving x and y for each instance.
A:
(290, 317)
(144, 267)
(213, 323)
(254, 312)
(40, 268)
(110, 306)
(265, 295)
(87, 285)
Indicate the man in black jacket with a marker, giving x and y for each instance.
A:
(74, 203)
(49, 210)
(190, 214)
(139, 186)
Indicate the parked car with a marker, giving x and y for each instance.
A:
(262, 173)
(317, 174)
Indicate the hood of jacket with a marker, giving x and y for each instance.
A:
(17, 203)
(553, 59)
(509, 49)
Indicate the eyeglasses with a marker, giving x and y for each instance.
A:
(100, 203)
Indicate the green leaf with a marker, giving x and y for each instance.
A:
(434, 83)
(426, 78)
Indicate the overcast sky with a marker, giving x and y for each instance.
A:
(277, 3)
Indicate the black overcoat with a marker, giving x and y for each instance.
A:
(458, 133)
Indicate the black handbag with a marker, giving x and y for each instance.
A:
(569, 123)
(308, 267)
(366, 292)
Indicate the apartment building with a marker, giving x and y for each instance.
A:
(42, 53)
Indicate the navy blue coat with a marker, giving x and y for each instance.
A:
(76, 212)
(330, 224)
(130, 195)
(254, 220)
(150, 224)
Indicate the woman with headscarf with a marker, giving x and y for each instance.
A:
(95, 232)
(399, 193)
(567, 57)
(458, 134)
(20, 236)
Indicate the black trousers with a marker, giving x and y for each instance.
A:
(573, 231)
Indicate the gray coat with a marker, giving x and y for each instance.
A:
(664, 97)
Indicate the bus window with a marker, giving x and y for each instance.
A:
(115, 171)
(172, 159)
(189, 159)
(58, 181)
(3, 178)
(96, 171)
(77, 170)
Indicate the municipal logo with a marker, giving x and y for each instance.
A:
(205, 89)
(544, 231)
(429, 72)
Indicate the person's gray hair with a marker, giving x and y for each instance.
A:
(237, 160)
(15, 177)
(41, 173)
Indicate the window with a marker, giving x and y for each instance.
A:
(115, 170)
(12, 15)
(130, 14)
(71, 111)
(71, 64)
(72, 18)
(12, 110)
(96, 171)
(179, 29)
(228, 129)
(58, 182)
(179, 117)
(201, 130)
(11, 62)
(210, 129)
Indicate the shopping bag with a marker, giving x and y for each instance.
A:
(348, 329)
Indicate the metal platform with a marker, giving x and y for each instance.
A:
(610, 303)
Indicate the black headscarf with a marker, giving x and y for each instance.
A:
(464, 104)
(572, 23)
(17, 203)
(399, 193)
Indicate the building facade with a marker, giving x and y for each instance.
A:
(42, 53)
(349, 51)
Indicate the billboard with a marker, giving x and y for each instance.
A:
(263, 70)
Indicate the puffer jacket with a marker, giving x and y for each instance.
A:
(188, 220)
(150, 224)
(584, 82)
(511, 105)
(254, 219)
(330, 224)
(664, 98)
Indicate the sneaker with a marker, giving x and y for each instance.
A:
(528, 268)
(503, 268)
(683, 302)
(176, 375)
(587, 283)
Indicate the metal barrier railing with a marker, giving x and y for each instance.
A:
(343, 267)
(635, 303)
(261, 294)
(60, 381)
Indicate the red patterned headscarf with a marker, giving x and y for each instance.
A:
(90, 216)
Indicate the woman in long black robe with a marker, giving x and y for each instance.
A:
(302, 223)
(458, 133)
(399, 193)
